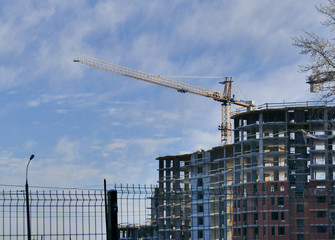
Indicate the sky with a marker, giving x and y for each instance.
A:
(84, 125)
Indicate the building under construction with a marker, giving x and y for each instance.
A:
(275, 181)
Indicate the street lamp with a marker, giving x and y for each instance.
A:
(27, 198)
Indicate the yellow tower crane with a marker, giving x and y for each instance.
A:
(223, 97)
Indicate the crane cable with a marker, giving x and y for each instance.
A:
(193, 76)
(244, 97)
(181, 117)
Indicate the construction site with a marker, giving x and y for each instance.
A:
(271, 178)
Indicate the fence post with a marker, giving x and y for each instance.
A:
(106, 217)
(112, 229)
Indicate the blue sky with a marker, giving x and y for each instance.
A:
(84, 125)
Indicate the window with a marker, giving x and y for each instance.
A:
(263, 216)
(200, 195)
(282, 188)
(281, 230)
(238, 232)
(255, 218)
(275, 186)
(274, 215)
(245, 203)
(200, 234)
(321, 199)
(200, 221)
(200, 208)
(300, 223)
(255, 202)
(273, 231)
(255, 188)
(280, 201)
(282, 216)
(263, 202)
(245, 218)
(300, 237)
(273, 201)
(255, 231)
(199, 184)
(333, 216)
(200, 169)
(300, 208)
(322, 229)
(264, 230)
(321, 214)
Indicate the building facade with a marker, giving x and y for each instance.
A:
(275, 181)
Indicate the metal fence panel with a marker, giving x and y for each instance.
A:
(74, 214)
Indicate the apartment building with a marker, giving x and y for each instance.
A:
(275, 181)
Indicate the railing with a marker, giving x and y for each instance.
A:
(286, 105)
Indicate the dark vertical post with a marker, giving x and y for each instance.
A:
(27, 199)
(112, 231)
(106, 214)
(28, 211)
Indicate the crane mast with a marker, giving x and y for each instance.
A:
(223, 97)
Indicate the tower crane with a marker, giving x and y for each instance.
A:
(224, 97)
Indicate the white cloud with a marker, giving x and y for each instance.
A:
(113, 111)
(62, 111)
(79, 100)
(67, 174)
(8, 77)
(145, 146)
(117, 145)
(283, 84)
(30, 144)
(45, 98)
(9, 36)
(67, 150)
(150, 146)
(199, 139)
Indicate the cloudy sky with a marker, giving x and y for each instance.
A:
(84, 125)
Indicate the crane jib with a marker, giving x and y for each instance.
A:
(223, 97)
(156, 79)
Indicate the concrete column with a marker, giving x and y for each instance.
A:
(261, 148)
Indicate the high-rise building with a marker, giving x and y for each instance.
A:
(275, 181)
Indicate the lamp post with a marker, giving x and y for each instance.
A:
(27, 199)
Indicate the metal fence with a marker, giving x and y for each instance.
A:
(71, 213)
(269, 211)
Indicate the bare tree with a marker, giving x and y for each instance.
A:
(321, 70)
